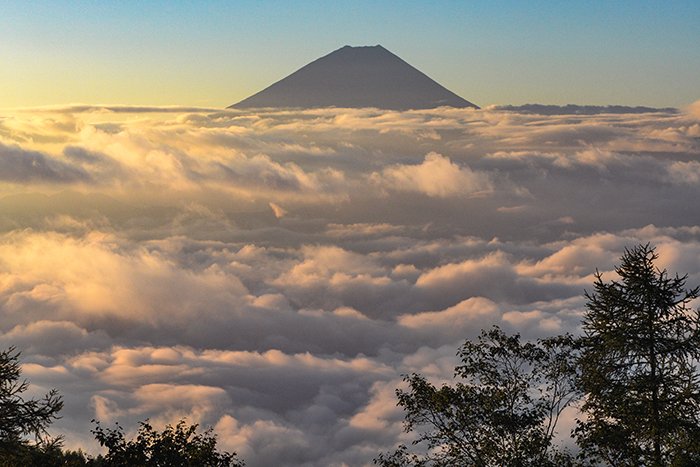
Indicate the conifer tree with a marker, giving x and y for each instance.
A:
(22, 419)
(639, 374)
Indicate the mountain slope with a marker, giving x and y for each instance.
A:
(356, 77)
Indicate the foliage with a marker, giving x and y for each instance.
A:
(22, 418)
(178, 446)
(502, 411)
(640, 348)
(45, 455)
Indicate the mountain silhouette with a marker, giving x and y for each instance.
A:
(356, 77)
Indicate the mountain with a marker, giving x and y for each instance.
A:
(356, 77)
(573, 109)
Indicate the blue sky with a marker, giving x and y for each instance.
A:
(215, 53)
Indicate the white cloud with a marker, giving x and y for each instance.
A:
(455, 322)
(273, 275)
(694, 109)
(436, 176)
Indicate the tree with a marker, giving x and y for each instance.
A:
(640, 349)
(21, 418)
(503, 410)
(46, 455)
(178, 446)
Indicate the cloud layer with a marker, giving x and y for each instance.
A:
(273, 274)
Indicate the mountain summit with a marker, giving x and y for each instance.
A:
(356, 77)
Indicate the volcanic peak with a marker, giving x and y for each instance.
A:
(356, 77)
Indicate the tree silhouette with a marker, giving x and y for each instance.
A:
(640, 349)
(503, 410)
(22, 420)
(178, 446)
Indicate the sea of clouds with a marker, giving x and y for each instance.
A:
(273, 274)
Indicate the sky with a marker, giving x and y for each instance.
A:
(273, 273)
(213, 53)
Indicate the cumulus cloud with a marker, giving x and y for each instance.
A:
(455, 322)
(22, 166)
(274, 274)
(436, 176)
(694, 109)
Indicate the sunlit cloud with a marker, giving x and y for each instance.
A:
(694, 109)
(436, 176)
(273, 274)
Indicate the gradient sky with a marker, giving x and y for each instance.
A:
(216, 53)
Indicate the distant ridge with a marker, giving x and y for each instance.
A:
(572, 109)
(356, 77)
